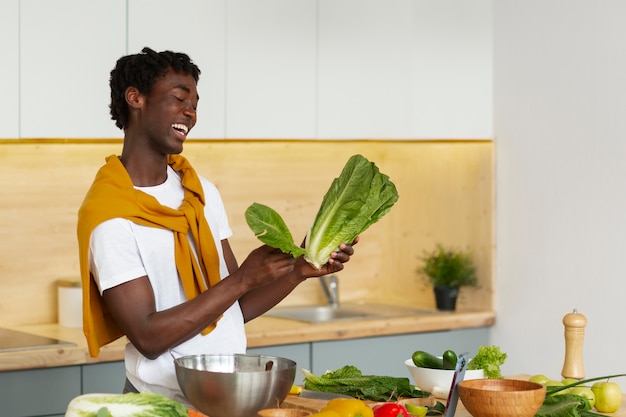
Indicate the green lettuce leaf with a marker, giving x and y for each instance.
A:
(358, 198)
(271, 229)
(349, 380)
(564, 405)
(489, 359)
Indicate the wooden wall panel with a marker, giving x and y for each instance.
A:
(445, 187)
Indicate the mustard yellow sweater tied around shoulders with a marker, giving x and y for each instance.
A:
(112, 195)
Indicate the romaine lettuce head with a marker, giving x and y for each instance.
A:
(358, 198)
(145, 404)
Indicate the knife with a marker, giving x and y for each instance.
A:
(321, 395)
(459, 374)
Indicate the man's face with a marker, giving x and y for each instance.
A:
(169, 112)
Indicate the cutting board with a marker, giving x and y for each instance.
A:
(315, 405)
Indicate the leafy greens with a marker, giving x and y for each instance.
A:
(559, 403)
(565, 405)
(489, 359)
(349, 380)
(143, 404)
(358, 198)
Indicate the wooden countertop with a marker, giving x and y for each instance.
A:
(263, 331)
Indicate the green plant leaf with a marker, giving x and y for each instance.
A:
(449, 268)
(271, 229)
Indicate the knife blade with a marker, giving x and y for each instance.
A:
(320, 395)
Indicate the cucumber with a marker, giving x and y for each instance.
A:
(426, 360)
(449, 359)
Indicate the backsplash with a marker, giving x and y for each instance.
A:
(445, 189)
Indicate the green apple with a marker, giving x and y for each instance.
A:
(584, 392)
(608, 396)
(567, 381)
(539, 378)
(553, 383)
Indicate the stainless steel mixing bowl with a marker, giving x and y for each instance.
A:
(234, 384)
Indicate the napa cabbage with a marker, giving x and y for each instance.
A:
(358, 198)
(143, 404)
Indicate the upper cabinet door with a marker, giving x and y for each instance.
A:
(364, 68)
(271, 67)
(197, 28)
(9, 70)
(405, 69)
(452, 75)
(68, 48)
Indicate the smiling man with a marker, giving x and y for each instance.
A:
(156, 264)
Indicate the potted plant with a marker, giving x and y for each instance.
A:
(448, 270)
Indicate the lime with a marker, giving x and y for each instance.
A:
(416, 410)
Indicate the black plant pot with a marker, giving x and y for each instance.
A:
(445, 297)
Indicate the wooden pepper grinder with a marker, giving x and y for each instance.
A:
(574, 335)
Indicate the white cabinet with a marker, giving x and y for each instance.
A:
(364, 69)
(197, 28)
(67, 50)
(271, 69)
(452, 74)
(283, 69)
(405, 69)
(9, 70)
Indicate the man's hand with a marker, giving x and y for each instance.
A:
(334, 264)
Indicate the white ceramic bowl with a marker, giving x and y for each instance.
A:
(437, 381)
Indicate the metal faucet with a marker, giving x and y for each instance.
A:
(331, 289)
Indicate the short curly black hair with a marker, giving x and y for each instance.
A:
(141, 71)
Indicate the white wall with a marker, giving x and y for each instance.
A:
(560, 126)
(270, 68)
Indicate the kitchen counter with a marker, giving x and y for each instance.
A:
(292, 401)
(314, 405)
(263, 331)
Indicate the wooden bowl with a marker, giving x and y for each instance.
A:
(501, 397)
(284, 412)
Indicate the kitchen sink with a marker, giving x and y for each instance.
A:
(344, 312)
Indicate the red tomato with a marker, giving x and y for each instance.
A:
(390, 410)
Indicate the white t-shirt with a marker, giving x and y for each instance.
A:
(121, 251)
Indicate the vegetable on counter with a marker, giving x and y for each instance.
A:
(449, 359)
(390, 410)
(426, 360)
(560, 402)
(144, 404)
(489, 359)
(345, 407)
(358, 198)
(349, 380)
